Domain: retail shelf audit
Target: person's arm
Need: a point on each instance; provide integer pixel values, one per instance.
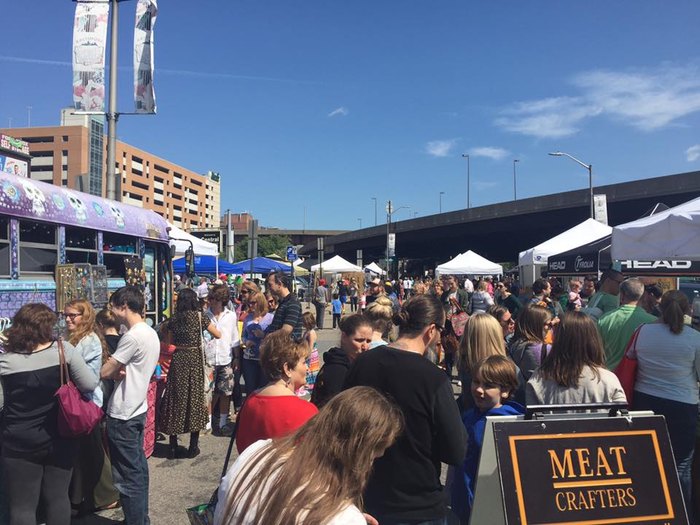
(213, 330)
(531, 360)
(451, 438)
(531, 397)
(464, 300)
(80, 373)
(114, 367)
(312, 338)
(488, 299)
(292, 318)
(90, 348)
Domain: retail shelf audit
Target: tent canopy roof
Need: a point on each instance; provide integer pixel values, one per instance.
(374, 268)
(470, 263)
(180, 238)
(260, 265)
(336, 264)
(670, 235)
(203, 264)
(588, 231)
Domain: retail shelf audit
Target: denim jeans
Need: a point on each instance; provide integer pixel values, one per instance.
(252, 375)
(129, 467)
(681, 420)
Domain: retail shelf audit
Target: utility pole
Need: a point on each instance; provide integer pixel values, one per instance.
(29, 116)
(112, 115)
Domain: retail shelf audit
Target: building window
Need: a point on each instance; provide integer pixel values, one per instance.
(38, 140)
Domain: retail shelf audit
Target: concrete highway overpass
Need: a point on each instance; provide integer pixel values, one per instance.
(500, 231)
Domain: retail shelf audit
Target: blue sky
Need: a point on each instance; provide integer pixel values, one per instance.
(326, 104)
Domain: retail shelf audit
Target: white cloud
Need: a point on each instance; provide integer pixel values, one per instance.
(693, 153)
(647, 100)
(547, 118)
(342, 111)
(440, 148)
(489, 152)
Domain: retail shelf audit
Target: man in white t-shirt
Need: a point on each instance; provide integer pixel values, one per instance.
(131, 366)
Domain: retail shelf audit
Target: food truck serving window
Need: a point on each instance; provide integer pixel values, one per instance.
(81, 245)
(4, 247)
(38, 252)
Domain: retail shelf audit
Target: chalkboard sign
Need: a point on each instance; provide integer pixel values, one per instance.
(588, 471)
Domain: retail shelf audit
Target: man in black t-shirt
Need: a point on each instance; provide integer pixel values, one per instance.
(288, 314)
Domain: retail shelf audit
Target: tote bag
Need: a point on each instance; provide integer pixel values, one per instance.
(77, 416)
(626, 371)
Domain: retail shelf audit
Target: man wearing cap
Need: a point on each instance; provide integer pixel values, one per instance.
(320, 301)
(375, 289)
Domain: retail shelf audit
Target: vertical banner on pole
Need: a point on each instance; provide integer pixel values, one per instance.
(144, 93)
(89, 44)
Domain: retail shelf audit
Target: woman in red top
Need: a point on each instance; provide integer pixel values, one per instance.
(274, 410)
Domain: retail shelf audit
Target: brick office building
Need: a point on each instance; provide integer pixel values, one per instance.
(74, 153)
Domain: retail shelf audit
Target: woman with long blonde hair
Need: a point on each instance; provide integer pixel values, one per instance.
(316, 475)
(483, 337)
(91, 486)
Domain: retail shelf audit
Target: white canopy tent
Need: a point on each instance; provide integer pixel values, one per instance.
(588, 231)
(180, 238)
(668, 235)
(469, 263)
(375, 269)
(336, 264)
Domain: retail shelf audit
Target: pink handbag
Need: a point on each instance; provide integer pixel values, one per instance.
(77, 416)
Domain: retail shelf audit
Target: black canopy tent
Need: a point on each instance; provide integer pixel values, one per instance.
(594, 257)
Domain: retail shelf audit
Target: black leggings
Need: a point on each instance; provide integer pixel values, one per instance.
(46, 474)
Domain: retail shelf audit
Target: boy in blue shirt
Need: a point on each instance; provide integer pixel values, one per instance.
(495, 379)
(337, 309)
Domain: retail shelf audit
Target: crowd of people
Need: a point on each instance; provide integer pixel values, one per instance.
(361, 439)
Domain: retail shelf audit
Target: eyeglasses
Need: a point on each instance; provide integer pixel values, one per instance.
(71, 316)
(508, 321)
(271, 301)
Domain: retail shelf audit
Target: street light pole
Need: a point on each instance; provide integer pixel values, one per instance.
(441, 194)
(469, 201)
(388, 231)
(515, 191)
(360, 221)
(589, 167)
(112, 116)
(375, 210)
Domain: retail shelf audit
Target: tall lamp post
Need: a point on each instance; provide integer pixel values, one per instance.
(359, 219)
(589, 167)
(515, 191)
(441, 194)
(375, 210)
(390, 210)
(469, 201)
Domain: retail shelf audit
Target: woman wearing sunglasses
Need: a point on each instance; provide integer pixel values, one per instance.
(258, 319)
(91, 487)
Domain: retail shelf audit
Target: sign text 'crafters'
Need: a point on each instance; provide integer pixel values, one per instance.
(591, 477)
